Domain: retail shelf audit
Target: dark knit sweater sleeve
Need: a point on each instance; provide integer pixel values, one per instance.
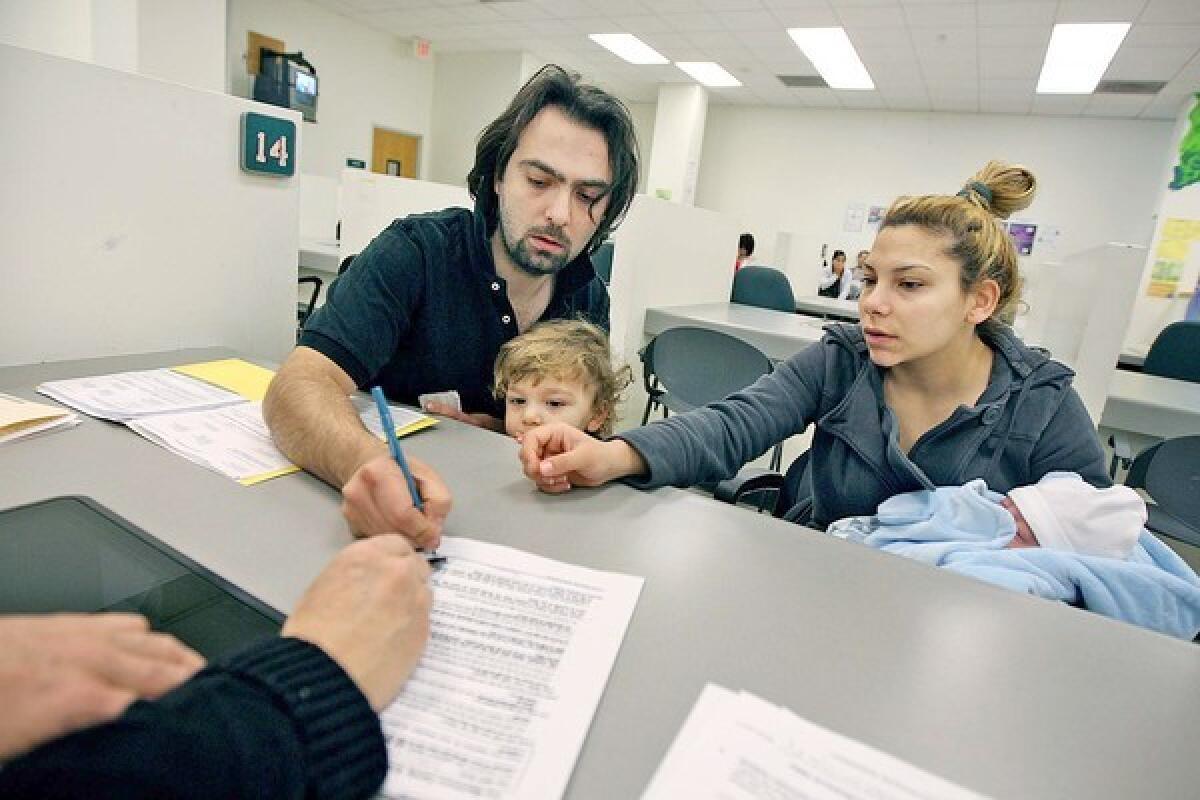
(278, 719)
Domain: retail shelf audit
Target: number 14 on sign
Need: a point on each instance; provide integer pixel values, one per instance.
(278, 150)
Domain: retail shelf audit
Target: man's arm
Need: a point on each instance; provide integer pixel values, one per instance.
(313, 422)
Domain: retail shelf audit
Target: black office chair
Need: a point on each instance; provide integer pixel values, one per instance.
(1175, 353)
(602, 262)
(765, 287)
(761, 484)
(345, 265)
(304, 310)
(685, 368)
(1170, 473)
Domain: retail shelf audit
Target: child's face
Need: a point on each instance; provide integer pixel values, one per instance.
(530, 403)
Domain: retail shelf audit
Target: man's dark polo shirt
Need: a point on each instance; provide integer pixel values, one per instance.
(422, 309)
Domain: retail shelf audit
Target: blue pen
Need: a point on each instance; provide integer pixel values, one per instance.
(389, 432)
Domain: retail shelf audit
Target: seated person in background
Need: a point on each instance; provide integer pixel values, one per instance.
(745, 250)
(1061, 539)
(96, 706)
(1060, 512)
(836, 281)
(931, 389)
(559, 371)
(427, 305)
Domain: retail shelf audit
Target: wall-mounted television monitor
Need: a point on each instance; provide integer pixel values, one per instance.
(287, 80)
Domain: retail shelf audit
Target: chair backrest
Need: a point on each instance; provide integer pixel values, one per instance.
(765, 287)
(1173, 478)
(602, 262)
(791, 484)
(697, 366)
(1176, 353)
(345, 265)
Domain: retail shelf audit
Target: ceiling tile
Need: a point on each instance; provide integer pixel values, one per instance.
(866, 38)
(1019, 12)
(1158, 35)
(861, 100)
(1004, 106)
(1070, 11)
(1116, 105)
(643, 23)
(1069, 105)
(1014, 36)
(519, 10)
(1149, 63)
(1159, 11)
(818, 16)
(1010, 62)
(940, 15)
(766, 40)
(748, 20)
(691, 23)
(675, 6)
(731, 5)
(871, 17)
(935, 39)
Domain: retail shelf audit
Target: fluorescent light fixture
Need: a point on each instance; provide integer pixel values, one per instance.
(628, 47)
(1078, 55)
(710, 73)
(830, 51)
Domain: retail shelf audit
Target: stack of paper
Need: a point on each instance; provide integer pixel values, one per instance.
(736, 746)
(20, 418)
(210, 413)
(519, 652)
(129, 395)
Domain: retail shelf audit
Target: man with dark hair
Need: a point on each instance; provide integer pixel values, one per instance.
(745, 250)
(427, 305)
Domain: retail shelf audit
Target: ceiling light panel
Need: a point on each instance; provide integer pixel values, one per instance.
(830, 51)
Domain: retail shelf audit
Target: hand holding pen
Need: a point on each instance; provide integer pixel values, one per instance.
(380, 498)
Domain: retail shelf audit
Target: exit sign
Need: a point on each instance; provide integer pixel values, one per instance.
(268, 144)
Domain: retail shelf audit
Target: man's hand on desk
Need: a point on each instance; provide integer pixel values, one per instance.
(369, 611)
(376, 500)
(485, 421)
(63, 672)
(558, 456)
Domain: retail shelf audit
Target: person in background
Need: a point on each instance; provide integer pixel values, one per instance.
(426, 306)
(836, 281)
(559, 371)
(930, 389)
(96, 706)
(745, 250)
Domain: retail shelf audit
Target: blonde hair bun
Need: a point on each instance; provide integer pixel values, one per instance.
(1001, 188)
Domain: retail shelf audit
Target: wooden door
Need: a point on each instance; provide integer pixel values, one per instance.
(394, 153)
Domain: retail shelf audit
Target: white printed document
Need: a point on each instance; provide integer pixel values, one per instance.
(234, 440)
(520, 651)
(735, 746)
(128, 395)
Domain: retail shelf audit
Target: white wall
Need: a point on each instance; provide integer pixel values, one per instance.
(366, 79)
(370, 202)
(470, 90)
(783, 169)
(643, 115)
(183, 41)
(143, 234)
(1152, 314)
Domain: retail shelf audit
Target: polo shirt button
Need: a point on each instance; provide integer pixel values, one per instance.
(506, 319)
(495, 286)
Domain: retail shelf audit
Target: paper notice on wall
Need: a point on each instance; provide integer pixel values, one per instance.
(856, 215)
(1170, 256)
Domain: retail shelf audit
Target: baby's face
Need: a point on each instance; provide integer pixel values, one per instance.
(529, 404)
(1024, 537)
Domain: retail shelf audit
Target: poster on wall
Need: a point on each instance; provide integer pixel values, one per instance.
(856, 213)
(1178, 236)
(1023, 234)
(875, 216)
(1187, 171)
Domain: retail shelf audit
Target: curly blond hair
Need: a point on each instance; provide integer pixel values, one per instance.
(971, 219)
(565, 349)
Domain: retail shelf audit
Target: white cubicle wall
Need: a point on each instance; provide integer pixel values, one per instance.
(370, 202)
(126, 224)
(664, 254)
(319, 212)
(1079, 309)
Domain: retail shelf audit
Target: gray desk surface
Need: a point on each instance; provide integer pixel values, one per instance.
(828, 307)
(1152, 405)
(1006, 694)
(778, 334)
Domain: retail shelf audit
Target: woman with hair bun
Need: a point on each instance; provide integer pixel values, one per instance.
(931, 389)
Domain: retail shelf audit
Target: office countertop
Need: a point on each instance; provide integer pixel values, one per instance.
(1008, 695)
